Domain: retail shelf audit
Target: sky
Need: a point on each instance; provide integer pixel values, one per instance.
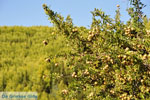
(31, 13)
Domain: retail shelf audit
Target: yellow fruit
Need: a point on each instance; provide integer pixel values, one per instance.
(45, 42)
(74, 30)
(144, 57)
(111, 60)
(139, 46)
(127, 49)
(65, 92)
(120, 57)
(123, 62)
(90, 37)
(105, 67)
(95, 83)
(53, 33)
(90, 32)
(142, 81)
(118, 6)
(148, 31)
(111, 91)
(124, 56)
(86, 72)
(91, 94)
(56, 64)
(74, 74)
(47, 60)
(44, 76)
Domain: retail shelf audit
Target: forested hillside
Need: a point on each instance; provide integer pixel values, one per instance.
(24, 56)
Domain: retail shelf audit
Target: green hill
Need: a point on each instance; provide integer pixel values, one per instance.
(23, 56)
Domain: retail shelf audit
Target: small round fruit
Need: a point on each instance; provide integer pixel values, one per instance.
(45, 42)
(47, 60)
(118, 6)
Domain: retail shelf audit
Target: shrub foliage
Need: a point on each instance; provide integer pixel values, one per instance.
(109, 60)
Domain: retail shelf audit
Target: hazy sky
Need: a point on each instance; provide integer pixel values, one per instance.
(30, 12)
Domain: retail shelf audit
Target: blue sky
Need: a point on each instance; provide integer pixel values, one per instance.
(31, 13)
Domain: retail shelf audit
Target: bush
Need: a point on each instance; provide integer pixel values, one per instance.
(110, 60)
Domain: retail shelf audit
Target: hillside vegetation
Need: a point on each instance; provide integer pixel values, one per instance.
(23, 57)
